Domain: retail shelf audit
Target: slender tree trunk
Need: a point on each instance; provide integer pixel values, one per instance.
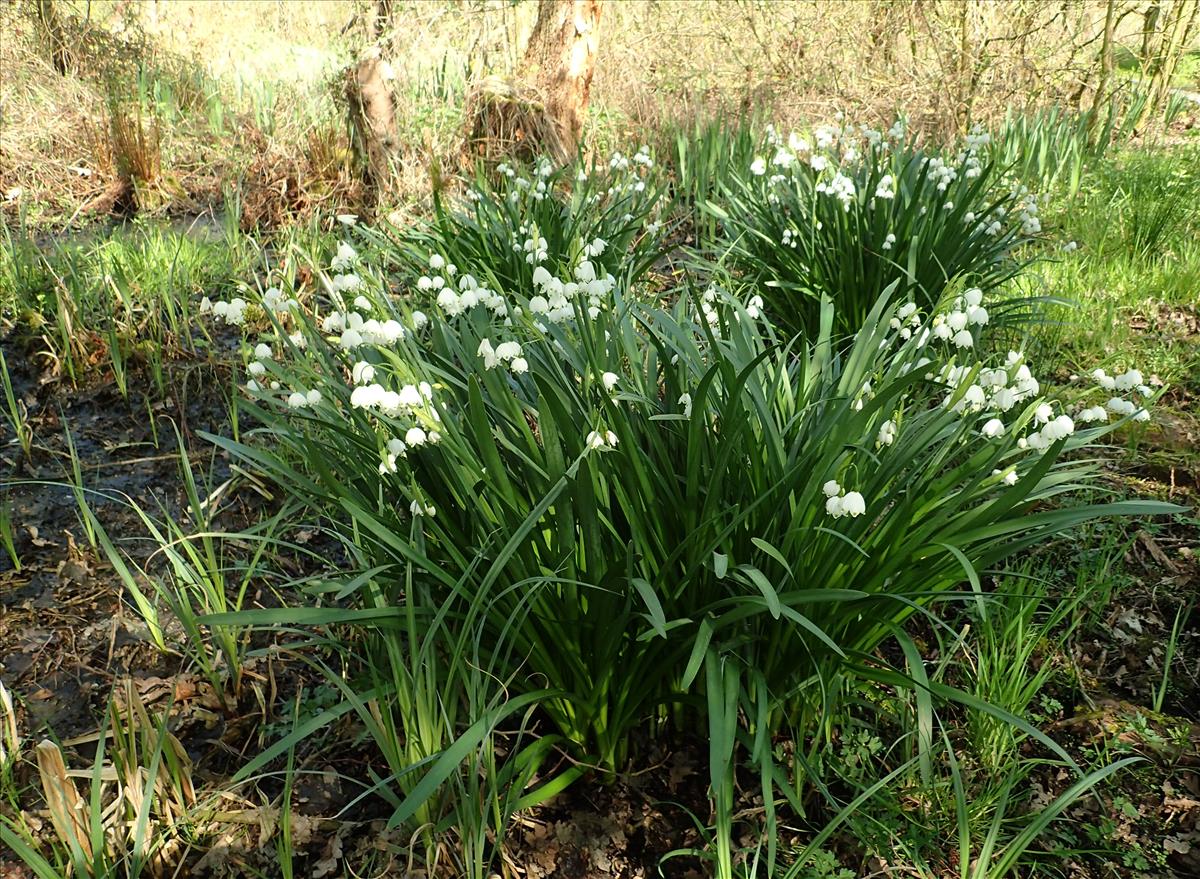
(60, 53)
(1177, 36)
(1149, 28)
(561, 59)
(381, 26)
(1106, 63)
(965, 68)
(883, 32)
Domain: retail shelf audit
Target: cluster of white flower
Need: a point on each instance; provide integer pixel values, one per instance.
(627, 179)
(887, 433)
(345, 280)
(538, 189)
(619, 162)
(708, 310)
(840, 187)
(469, 294)
(995, 390)
(505, 352)
(1122, 407)
(347, 283)
(535, 249)
(410, 398)
(977, 138)
(344, 259)
(353, 330)
(257, 367)
(554, 296)
(710, 313)
(598, 440)
(304, 399)
(941, 173)
(906, 320)
(839, 503)
(1027, 214)
(416, 508)
(274, 301)
(594, 249)
(232, 312)
(1053, 428)
(1129, 382)
(413, 403)
(840, 151)
(1126, 381)
(1008, 477)
(967, 311)
(783, 158)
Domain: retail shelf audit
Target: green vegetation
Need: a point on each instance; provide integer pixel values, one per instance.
(891, 213)
(1134, 270)
(123, 300)
(793, 497)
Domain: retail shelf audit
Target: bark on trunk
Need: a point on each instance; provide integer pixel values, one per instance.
(561, 59)
(374, 119)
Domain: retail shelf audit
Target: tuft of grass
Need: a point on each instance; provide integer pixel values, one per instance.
(98, 305)
(1133, 276)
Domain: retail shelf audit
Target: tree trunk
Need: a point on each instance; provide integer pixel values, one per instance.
(60, 53)
(883, 30)
(560, 60)
(381, 26)
(374, 120)
(965, 90)
(1149, 29)
(1176, 39)
(1106, 64)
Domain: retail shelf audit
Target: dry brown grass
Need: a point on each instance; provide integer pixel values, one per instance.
(280, 185)
(51, 126)
(507, 118)
(943, 63)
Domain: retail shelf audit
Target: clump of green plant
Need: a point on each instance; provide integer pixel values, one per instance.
(1049, 147)
(138, 796)
(521, 218)
(703, 156)
(1128, 268)
(854, 211)
(507, 462)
